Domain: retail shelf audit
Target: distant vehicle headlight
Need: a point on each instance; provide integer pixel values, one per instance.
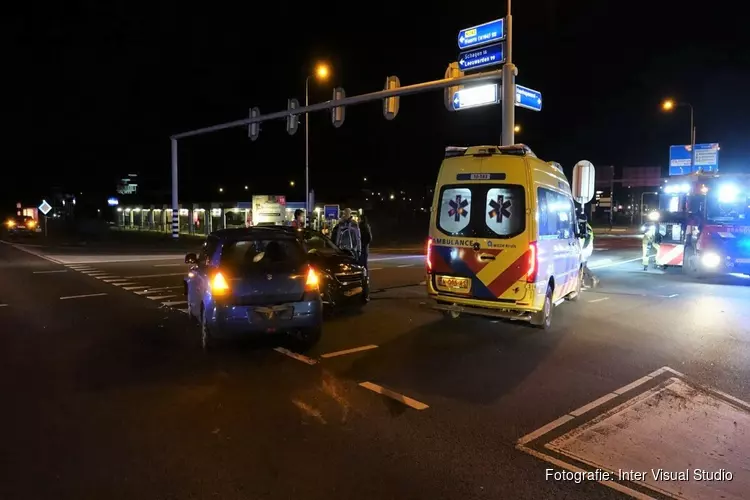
(711, 259)
(653, 216)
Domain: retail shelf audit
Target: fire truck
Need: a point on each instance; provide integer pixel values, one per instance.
(703, 224)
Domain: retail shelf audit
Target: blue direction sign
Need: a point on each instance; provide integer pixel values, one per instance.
(528, 98)
(331, 212)
(706, 159)
(475, 36)
(482, 57)
(473, 97)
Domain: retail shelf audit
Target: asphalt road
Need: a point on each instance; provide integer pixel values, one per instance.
(106, 393)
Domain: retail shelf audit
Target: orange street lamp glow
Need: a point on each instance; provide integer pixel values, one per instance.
(321, 71)
(667, 105)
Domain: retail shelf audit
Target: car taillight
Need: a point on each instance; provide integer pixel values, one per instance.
(219, 285)
(533, 263)
(313, 281)
(428, 259)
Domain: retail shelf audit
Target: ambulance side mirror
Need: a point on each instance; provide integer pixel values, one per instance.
(583, 184)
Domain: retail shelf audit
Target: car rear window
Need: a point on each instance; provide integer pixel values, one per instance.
(262, 254)
(482, 210)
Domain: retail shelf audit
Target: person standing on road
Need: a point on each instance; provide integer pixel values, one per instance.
(366, 237)
(299, 219)
(587, 248)
(346, 235)
(650, 245)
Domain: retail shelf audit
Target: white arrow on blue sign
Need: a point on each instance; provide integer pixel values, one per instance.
(45, 207)
(482, 57)
(475, 36)
(528, 98)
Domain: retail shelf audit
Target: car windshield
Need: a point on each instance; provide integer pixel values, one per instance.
(319, 243)
(262, 255)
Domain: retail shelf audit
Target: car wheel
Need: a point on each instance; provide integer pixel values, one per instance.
(543, 318)
(207, 340)
(306, 338)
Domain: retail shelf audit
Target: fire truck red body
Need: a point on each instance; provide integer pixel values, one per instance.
(704, 224)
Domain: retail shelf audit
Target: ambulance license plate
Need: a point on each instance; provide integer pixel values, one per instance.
(453, 284)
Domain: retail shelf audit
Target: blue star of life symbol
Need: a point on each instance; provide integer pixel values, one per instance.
(500, 208)
(458, 208)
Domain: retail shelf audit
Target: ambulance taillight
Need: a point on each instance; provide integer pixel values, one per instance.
(428, 260)
(533, 263)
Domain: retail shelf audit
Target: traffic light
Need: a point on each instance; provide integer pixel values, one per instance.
(390, 104)
(253, 130)
(453, 71)
(292, 121)
(337, 113)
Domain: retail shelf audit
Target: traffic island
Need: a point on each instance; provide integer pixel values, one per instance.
(661, 436)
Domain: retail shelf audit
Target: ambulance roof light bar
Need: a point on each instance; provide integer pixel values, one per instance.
(515, 150)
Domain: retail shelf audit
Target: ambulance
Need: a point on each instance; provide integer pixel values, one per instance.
(504, 236)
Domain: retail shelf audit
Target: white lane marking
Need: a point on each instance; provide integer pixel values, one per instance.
(183, 310)
(170, 265)
(112, 259)
(174, 303)
(633, 385)
(378, 259)
(617, 263)
(379, 389)
(545, 429)
(115, 280)
(601, 249)
(78, 267)
(294, 355)
(590, 406)
(598, 300)
(375, 269)
(130, 288)
(422, 283)
(50, 272)
(160, 288)
(160, 297)
(32, 252)
(106, 277)
(123, 284)
(3, 305)
(155, 275)
(348, 351)
(406, 265)
(94, 273)
(82, 296)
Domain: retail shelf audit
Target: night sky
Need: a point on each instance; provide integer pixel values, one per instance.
(96, 91)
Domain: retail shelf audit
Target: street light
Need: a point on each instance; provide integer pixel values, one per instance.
(322, 73)
(291, 183)
(669, 105)
(246, 188)
(517, 129)
(221, 190)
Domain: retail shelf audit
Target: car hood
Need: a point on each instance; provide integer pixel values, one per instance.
(335, 263)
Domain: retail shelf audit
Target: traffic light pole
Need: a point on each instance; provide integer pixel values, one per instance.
(509, 85)
(347, 101)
